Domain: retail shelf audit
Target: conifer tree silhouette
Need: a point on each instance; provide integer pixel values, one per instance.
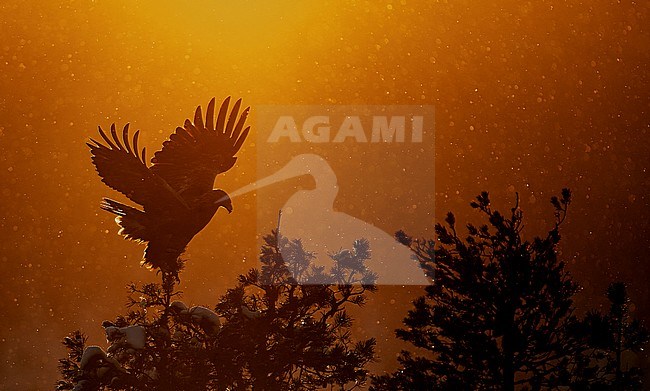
(499, 312)
(270, 332)
(608, 339)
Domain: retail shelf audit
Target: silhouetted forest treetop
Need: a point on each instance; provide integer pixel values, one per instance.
(269, 332)
(501, 315)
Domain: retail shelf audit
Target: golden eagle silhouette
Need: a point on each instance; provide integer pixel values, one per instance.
(175, 193)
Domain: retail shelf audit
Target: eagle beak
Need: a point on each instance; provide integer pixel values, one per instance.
(225, 202)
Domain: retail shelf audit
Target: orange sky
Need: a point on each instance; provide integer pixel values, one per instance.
(529, 97)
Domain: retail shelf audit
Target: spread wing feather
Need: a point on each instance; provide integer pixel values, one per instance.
(196, 153)
(123, 169)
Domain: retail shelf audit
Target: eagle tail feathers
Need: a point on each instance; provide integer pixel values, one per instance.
(133, 222)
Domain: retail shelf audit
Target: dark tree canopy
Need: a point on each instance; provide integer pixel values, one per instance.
(500, 315)
(300, 337)
(608, 339)
(268, 333)
(497, 314)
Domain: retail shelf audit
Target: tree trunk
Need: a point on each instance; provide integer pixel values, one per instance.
(619, 348)
(509, 353)
(508, 367)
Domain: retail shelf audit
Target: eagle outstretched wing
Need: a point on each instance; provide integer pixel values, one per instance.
(196, 153)
(122, 168)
